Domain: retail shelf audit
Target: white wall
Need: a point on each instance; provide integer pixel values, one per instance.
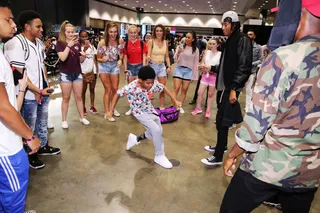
(98, 10)
(213, 21)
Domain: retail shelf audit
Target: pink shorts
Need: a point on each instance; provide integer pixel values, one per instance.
(208, 79)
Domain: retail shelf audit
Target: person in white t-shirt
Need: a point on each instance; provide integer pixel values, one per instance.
(14, 167)
(89, 71)
(26, 51)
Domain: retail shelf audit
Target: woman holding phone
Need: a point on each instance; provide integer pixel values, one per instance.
(109, 56)
(70, 55)
(157, 53)
(187, 59)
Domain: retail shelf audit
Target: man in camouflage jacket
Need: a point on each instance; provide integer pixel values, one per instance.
(281, 134)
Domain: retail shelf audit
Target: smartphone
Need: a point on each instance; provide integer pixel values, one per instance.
(76, 36)
(50, 90)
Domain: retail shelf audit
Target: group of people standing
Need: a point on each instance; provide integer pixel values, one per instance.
(279, 136)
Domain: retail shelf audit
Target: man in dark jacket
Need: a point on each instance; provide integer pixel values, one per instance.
(232, 74)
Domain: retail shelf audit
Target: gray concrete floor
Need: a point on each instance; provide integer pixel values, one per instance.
(95, 174)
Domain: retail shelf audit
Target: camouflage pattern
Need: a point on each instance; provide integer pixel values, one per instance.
(284, 125)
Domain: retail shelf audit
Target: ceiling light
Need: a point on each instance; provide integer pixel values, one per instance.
(234, 8)
(190, 8)
(125, 4)
(234, 5)
(175, 9)
(137, 1)
(187, 5)
(145, 4)
(235, 2)
(161, 11)
(159, 1)
(210, 5)
(115, 1)
(209, 2)
(183, 1)
(165, 5)
(193, 10)
(266, 1)
(170, 7)
(151, 7)
(263, 4)
(133, 7)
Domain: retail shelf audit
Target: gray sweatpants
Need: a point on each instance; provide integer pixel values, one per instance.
(153, 126)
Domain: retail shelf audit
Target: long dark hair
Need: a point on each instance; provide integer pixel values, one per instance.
(154, 36)
(106, 34)
(194, 42)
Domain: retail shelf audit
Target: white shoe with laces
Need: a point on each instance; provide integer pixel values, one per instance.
(181, 110)
(163, 161)
(84, 121)
(116, 113)
(132, 141)
(65, 125)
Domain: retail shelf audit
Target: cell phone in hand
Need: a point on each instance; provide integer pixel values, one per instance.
(50, 91)
(76, 36)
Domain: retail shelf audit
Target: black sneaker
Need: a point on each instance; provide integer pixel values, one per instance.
(192, 102)
(273, 205)
(213, 148)
(211, 161)
(35, 162)
(48, 150)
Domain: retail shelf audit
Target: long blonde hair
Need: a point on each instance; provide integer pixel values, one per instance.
(211, 40)
(62, 33)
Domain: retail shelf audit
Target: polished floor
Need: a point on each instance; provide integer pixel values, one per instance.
(94, 173)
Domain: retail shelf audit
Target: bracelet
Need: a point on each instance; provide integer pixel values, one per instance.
(23, 91)
(41, 92)
(68, 47)
(30, 139)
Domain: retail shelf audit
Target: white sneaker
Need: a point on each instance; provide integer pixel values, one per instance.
(84, 121)
(132, 141)
(111, 119)
(65, 125)
(116, 113)
(129, 112)
(163, 161)
(50, 125)
(181, 111)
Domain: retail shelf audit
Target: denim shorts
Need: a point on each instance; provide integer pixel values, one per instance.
(134, 69)
(70, 77)
(184, 73)
(160, 69)
(109, 68)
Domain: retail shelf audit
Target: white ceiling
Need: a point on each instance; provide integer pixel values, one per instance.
(188, 6)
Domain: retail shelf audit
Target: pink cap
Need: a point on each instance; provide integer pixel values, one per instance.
(313, 6)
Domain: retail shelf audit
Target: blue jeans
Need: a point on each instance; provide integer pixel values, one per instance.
(184, 73)
(70, 77)
(109, 68)
(160, 69)
(134, 69)
(36, 116)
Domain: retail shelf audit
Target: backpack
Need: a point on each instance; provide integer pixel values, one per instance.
(141, 45)
(168, 115)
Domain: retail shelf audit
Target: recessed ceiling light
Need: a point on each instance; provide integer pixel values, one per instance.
(266, 1)
(161, 11)
(165, 5)
(234, 5)
(159, 1)
(151, 7)
(137, 1)
(234, 8)
(194, 10)
(175, 9)
(235, 2)
(170, 7)
(210, 5)
(187, 5)
(145, 4)
(115, 1)
(263, 4)
(132, 7)
(209, 2)
(125, 4)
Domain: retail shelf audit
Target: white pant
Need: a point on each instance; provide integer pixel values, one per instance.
(153, 126)
(249, 85)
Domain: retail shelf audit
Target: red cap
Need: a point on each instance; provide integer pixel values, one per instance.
(313, 6)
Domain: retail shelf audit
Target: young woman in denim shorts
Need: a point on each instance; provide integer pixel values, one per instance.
(157, 53)
(187, 59)
(109, 56)
(70, 55)
(135, 51)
